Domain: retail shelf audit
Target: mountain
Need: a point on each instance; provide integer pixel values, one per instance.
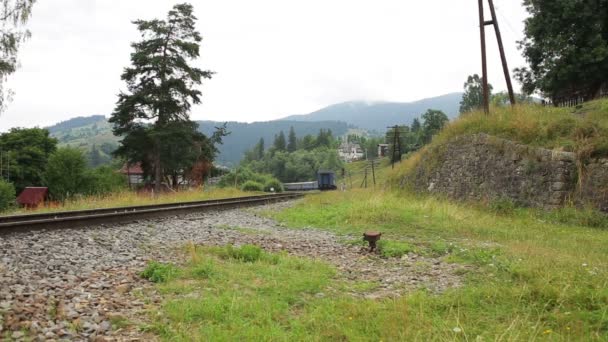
(376, 116)
(93, 134)
(244, 136)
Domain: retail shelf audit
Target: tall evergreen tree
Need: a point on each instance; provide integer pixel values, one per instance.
(161, 88)
(416, 126)
(280, 144)
(259, 149)
(292, 142)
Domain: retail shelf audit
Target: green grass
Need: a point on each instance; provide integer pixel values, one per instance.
(538, 274)
(583, 130)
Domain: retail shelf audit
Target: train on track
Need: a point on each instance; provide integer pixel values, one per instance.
(326, 180)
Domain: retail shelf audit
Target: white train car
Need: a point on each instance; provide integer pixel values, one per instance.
(302, 186)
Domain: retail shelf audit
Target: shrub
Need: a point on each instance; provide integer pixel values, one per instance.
(273, 184)
(159, 273)
(7, 195)
(104, 180)
(252, 186)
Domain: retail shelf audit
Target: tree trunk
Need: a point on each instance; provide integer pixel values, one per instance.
(158, 174)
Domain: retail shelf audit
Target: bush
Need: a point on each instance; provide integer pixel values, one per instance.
(252, 186)
(273, 184)
(7, 195)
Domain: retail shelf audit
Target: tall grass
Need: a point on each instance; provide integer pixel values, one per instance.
(130, 198)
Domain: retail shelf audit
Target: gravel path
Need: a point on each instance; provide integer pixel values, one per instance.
(81, 284)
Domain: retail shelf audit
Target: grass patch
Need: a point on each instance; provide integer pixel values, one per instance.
(159, 273)
(394, 249)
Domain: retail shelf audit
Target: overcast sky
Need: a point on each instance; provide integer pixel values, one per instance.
(272, 57)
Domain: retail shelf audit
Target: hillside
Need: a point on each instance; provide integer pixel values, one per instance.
(530, 156)
(379, 115)
(94, 133)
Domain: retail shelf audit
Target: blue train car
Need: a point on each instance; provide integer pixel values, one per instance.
(326, 180)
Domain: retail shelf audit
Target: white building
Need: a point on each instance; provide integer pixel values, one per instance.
(350, 152)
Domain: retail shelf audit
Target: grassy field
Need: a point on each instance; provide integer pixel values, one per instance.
(130, 198)
(531, 275)
(536, 276)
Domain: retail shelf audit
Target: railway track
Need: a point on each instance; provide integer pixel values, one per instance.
(93, 217)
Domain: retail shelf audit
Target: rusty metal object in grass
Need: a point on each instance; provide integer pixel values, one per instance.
(372, 238)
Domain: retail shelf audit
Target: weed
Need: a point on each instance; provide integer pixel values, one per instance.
(159, 273)
(246, 253)
(119, 322)
(503, 206)
(394, 249)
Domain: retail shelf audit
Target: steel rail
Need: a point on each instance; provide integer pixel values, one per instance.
(82, 218)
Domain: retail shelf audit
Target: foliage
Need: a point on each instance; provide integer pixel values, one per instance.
(66, 173)
(280, 143)
(13, 14)
(25, 153)
(566, 47)
(162, 89)
(434, 120)
(7, 195)
(159, 273)
(273, 185)
(252, 186)
(292, 142)
(241, 175)
(311, 154)
(472, 99)
(104, 180)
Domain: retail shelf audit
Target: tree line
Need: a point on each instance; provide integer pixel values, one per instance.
(30, 157)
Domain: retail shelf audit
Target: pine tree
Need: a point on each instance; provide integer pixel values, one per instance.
(292, 143)
(161, 88)
(260, 149)
(279, 142)
(416, 126)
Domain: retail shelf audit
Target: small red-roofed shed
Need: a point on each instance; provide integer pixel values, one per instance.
(32, 197)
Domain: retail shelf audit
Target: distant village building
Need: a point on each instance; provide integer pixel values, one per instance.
(350, 152)
(134, 173)
(383, 150)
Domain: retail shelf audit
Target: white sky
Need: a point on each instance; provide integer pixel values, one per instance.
(272, 57)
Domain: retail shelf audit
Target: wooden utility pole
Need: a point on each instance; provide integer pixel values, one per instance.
(374, 172)
(396, 141)
(484, 62)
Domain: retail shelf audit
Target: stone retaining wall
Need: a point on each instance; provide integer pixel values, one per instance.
(486, 168)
